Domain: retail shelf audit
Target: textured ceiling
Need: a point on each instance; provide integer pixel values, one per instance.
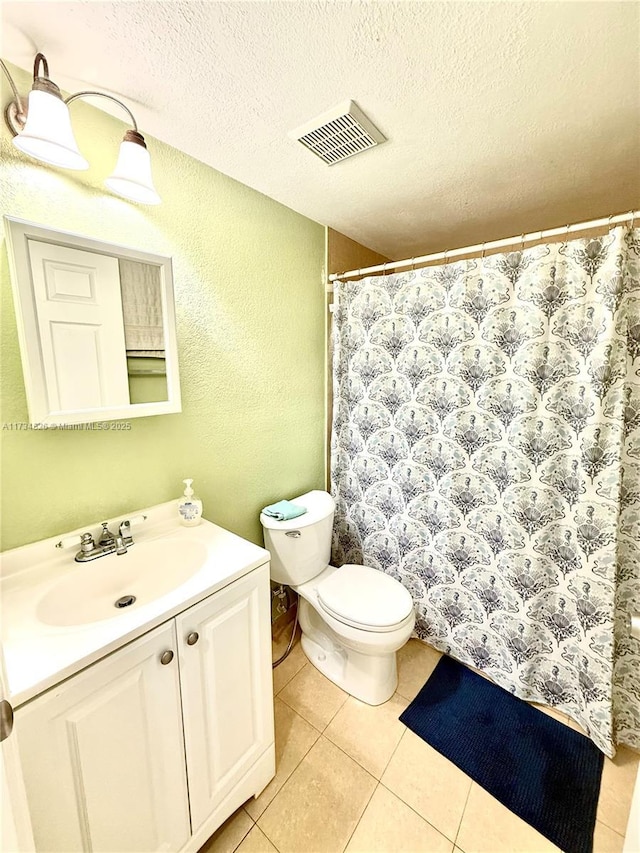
(501, 117)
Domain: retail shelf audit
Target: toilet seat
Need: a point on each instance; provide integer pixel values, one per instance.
(365, 598)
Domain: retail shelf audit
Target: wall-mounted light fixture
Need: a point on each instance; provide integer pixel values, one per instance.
(42, 129)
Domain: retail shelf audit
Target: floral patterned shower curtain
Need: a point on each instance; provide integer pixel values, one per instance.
(486, 452)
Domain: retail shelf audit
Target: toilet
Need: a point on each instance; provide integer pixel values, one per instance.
(353, 618)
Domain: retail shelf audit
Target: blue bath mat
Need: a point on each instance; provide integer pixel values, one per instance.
(543, 771)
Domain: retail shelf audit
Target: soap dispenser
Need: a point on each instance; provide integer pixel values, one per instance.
(189, 506)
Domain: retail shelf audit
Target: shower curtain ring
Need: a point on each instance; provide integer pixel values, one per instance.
(633, 217)
(522, 242)
(483, 250)
(413, 264)
(446, 252)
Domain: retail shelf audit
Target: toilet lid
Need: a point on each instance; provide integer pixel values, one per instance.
(361, 596)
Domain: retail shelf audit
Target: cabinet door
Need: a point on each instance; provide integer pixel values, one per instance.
(103, 756)
(227, 692)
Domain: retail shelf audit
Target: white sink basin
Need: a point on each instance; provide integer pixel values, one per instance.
(147, 571)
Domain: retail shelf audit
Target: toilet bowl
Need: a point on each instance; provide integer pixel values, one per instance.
(353, 618)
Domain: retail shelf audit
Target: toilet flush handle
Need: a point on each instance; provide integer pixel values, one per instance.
(294, 534)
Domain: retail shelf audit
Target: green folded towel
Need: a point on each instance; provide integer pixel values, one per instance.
(284, 510)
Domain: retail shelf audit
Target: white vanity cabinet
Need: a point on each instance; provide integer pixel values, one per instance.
(103, 753)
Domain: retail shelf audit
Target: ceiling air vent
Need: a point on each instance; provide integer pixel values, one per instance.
(338, 133)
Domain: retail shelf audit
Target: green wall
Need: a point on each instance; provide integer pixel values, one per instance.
(248, 275)
(145, 388)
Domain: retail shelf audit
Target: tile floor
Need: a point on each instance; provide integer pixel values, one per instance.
(352, 778)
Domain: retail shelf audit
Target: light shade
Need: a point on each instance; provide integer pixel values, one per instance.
(47, 134)
(132, 175)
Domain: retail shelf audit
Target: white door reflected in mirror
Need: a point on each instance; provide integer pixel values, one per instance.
(79, 309)
(96, 324)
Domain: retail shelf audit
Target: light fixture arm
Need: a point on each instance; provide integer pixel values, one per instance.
(18, 105)
(77, 95)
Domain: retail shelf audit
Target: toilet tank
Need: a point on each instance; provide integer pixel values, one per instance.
(300, 548)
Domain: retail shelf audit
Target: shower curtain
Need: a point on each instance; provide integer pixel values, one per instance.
(486, 453)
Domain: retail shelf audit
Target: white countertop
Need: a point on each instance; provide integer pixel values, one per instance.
(37, 655)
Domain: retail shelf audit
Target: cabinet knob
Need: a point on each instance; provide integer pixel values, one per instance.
(193, 638)
(166, 657)
(6, 719)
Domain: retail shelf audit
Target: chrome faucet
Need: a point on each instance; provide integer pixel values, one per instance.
(107, 544)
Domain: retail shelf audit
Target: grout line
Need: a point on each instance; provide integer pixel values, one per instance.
(395, 749)
(332, 683)
(612, 828)
(313, 726)
(284, 781)
(292, 677)
(348, 754)
(289, 680)
(336, 713)
(245, 811)
(267, 837)
(304, 720)
(604, 819)
(288, 781)
(355, 760)
(253, 823)
(259, 825)
(361, 816)
(422, 817)
(466, 802)
(407, 698)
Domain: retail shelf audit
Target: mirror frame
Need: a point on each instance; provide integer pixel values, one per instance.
(18, 232)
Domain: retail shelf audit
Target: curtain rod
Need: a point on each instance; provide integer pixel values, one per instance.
(493, 244)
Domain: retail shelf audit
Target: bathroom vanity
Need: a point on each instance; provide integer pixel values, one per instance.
(140, 728)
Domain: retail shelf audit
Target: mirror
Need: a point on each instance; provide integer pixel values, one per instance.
(96, 324)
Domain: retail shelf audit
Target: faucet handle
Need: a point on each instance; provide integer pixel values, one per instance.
(86, 543)
(106, 536)
(127, 523)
